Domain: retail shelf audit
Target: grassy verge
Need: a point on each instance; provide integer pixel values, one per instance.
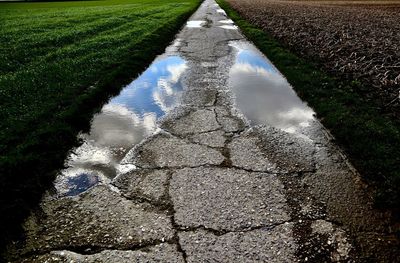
(59, 62)
(371, 140)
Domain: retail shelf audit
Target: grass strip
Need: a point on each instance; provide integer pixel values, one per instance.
(371, 141)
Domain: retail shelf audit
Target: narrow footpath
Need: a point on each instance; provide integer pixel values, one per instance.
(212, 183)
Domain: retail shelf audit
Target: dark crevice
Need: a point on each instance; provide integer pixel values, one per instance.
(203, 132)
(179, 247)
(95, 249)
(180, 166)
(226, 153)
(223, 165)
(173, 222)
(221, 232)
(239, 131)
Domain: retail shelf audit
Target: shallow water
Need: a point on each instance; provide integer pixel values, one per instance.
(263, 94)
(226, 21)
(195, 23)
(227, 24)
(233, 27)
(123, 122)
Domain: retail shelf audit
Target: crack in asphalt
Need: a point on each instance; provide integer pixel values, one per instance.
(92, 250)
(219, 232)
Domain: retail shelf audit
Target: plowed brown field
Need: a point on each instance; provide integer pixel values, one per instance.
(355, 40)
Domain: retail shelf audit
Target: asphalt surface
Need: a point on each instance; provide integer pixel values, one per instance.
(209, 187)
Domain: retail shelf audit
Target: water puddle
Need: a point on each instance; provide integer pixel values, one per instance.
(263, 94)
(226, 21)
(229, 27)
(195, 23)
(123, 122)
(227, 24)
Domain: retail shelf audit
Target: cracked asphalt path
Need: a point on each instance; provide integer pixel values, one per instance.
(209, 187)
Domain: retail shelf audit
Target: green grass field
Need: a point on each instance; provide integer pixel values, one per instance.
(59, 61)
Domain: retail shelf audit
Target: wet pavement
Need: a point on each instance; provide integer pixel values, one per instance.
(208, 156)
(124, 121)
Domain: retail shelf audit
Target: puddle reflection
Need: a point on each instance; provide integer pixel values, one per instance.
(226, 21)
(79, 183)
(229, 27)
(227, 24)
(263, 94)
(123, 122)
(195, 23)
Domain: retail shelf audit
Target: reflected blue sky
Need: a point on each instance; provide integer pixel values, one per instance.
(155, 90)
(80, 183)
(263, 94)
(253, 59)
(123, 122)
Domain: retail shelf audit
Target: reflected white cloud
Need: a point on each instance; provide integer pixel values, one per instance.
(195, 23)
(226, 21)
(149, 123)
(176, 71)
(125, 168)
(164, 85)
(299, 116)
(165, 95)
(247, 68)
(229, 27)
(264, 95)
(116, 126)
(158, 98)
(89, 153)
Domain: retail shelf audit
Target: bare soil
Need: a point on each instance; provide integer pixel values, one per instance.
(354, 40)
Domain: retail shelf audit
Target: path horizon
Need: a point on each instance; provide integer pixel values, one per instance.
(208, 186)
